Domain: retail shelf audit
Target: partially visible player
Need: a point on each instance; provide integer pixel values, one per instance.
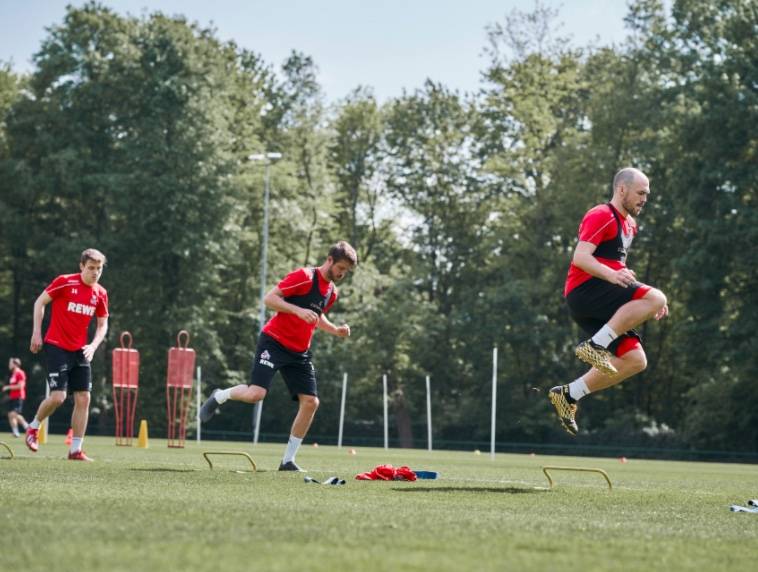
(604, 297)
(16, 389)
(301, 301)
(76, 299)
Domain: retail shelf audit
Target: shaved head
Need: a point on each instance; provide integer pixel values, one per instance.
(630, 190)
(626, 177)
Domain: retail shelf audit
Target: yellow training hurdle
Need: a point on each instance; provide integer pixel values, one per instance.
(7, 448)
(578, 469)
(207, 455)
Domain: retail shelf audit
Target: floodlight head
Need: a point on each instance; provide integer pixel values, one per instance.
(273, 156)
(256, 157)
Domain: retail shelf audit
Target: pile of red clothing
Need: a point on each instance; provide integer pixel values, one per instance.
(388, 473)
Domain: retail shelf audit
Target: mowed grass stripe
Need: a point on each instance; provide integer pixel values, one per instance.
(161, 508)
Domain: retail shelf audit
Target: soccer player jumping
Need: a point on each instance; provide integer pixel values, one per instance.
(301, 301)
(604, 297)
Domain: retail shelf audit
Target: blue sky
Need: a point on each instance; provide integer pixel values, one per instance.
(389, 45)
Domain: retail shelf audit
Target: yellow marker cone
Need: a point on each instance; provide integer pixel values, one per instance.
(142, 438)
(69, 436)
(42, 434)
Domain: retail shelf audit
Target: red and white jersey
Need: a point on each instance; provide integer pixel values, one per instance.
(287, 329)
(18, 377)
(73, 307)
(600, 226)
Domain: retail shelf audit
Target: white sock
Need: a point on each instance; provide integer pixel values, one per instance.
(604, 336)
(292, 446)
(76, 444)
(222, 395)
(35, 423)
(578, 389)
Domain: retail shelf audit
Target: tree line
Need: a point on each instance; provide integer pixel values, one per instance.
(132, 135)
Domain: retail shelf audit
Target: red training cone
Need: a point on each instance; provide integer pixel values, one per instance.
(69, 436)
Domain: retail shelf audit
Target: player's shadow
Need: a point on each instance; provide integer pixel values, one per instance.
(501, 490)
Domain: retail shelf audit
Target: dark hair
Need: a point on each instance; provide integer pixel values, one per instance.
(92, 254)
(16, 361)
(343, 251)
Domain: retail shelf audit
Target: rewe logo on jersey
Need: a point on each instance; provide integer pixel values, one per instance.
(81, 309)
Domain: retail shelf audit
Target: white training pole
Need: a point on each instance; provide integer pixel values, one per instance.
(199, 388)
(47, 419)
(386, 433)
(258, 409)
(428, 413)
(494, 401)
(342, 410)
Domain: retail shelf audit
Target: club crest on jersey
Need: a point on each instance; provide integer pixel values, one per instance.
(93, 300)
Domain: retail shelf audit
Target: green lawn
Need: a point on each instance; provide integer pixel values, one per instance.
(163, 509)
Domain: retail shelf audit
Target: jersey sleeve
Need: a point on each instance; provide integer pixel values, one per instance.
(296, 283)
(56, 288)
(101, 310)
(597, 226)
(332, 300)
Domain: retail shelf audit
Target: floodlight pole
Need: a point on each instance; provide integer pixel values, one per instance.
(268, 158)
(494, 402)
(342, 410)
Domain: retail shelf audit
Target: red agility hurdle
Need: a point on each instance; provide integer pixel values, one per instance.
(181, 364)
(125, 388)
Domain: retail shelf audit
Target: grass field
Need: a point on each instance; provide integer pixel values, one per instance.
(163, 509)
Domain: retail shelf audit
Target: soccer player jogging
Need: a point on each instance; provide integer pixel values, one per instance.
(301, 301)
(604, 297)
(16, 389)
(76, 299)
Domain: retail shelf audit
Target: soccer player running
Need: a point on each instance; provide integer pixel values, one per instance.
(604, 297)
(76, 299)
(16, 389)
(301, 301)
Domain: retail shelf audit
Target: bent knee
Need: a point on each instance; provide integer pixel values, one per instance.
(636, 360)
(657, 298)
(58, 397)
(253, 394)
(309, 401)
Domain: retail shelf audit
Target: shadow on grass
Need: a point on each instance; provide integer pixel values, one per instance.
(169, 470)
(504, 490)
(166, 470)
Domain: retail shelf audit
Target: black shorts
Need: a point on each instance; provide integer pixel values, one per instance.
(296, 368)
(593, 303)
(67, 370)
(16, 405)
